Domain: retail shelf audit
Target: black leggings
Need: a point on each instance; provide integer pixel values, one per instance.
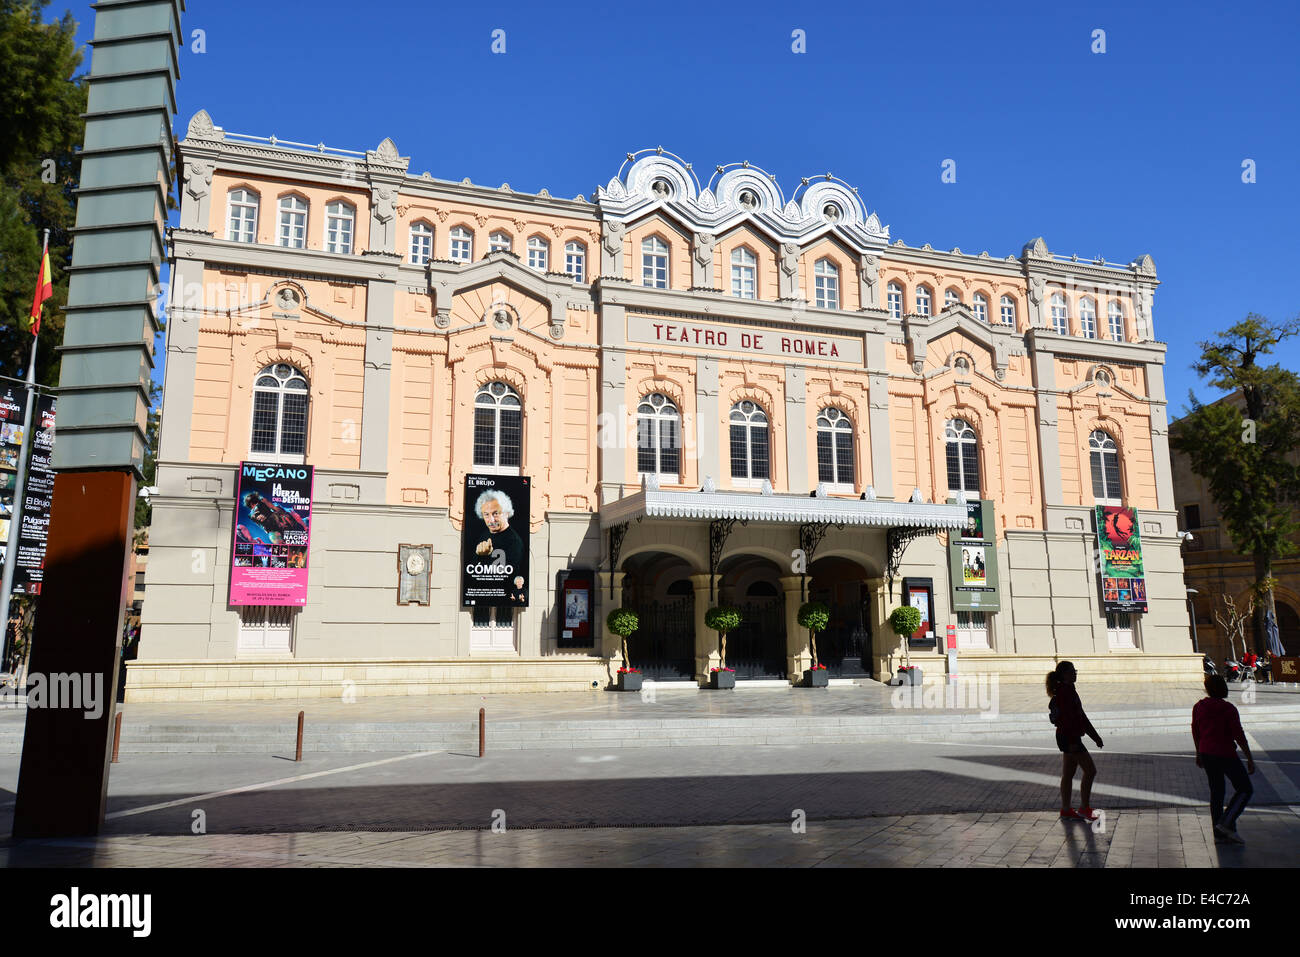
(1216, 769)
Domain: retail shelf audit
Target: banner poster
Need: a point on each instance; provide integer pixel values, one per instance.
(272, 534)
(13, 404)
(1123, 587)
(973, 560)
(38, 499)
(494, 541)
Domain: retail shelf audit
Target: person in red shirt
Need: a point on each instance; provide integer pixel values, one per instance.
(1216, 731)
(1066, 712)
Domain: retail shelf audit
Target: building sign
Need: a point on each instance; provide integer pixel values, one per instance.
(38, 498)
(695, 336)
(973, 560)
(1123, 587)
(272, 534)
(494, 541)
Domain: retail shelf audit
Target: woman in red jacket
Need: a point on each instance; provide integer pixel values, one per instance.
(1216, 730)
(1066, 712)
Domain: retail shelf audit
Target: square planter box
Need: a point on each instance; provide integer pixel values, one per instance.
(722, 679)
(818, 678)
(909, 677)
(629, 682)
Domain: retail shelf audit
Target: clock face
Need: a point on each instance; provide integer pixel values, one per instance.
(415, 563)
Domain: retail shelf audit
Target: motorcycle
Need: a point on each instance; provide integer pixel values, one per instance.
(1234, 670)
(1208, 663)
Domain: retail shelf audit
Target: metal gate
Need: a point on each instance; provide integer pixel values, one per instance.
(663, 645)
(845, 646)
(757, 648)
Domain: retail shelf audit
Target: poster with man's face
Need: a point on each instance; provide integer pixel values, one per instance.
(494, 541)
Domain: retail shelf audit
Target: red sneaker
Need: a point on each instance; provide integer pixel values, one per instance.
(1070, 814)
(1088, 814)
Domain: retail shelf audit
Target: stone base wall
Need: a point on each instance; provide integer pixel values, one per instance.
(1125, 666)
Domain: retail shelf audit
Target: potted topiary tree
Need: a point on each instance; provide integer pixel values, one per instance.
(904, 621)
(722, 620)
(814, 615)
(622, 622)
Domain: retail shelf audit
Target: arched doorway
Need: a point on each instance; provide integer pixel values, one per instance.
(657, 586)
(845, 646)
(1288, 628)
(757, 649)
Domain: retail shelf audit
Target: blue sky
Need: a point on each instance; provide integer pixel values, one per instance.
(1135, 150)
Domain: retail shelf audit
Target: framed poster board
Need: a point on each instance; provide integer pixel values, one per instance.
(576, 594)
(919, 593)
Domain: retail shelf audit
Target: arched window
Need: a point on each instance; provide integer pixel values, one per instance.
(834, 447)
(575, 260)
(826, 279)
(280, 414)
(1008, 306)
(339, 218)
(981, 307)
(498, 428)
(242, 205)
(500, 242)
(1115, 313)
(1087, 318)
(750, 457)
(658, 436)
(293, 222)
(923, 300)
(654, 263)
(1105, 468)
(539, 253)
(744, 264)
(963, 458)
(950, 298)
(1060, 314)
(462, 244)
(421, 242)
(894, 300)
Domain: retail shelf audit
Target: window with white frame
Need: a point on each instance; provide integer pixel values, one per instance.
(242, 227)
(280, 398)
(1115, 313)
(1104, 455)
(499, 242)
(950, 298)
(826, 280)
(1008, 306)
(962, 449)
(923, 300)
(654, 263)
(575, 260)
(972, 629)
(980, 307)
(658, 437)
(498, 429)
(744, 265)
(462, 244)
(421, 242)
(894, 300)
(1060, 314)
(266, 630)
(1087, 318)
(492, 631)
(339, 219)
(1119, 629)
(293, 222)
(835, 448)
(750, 447)
(539, 253)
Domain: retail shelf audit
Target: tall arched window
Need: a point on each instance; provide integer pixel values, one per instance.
(539, 253)
(280, 414)
(1087, 318)
(658, 436)
(1115, 313)
(575, 260)
(498, 429)
(462, 244)
(293, 222)
(654, 262)
(923, 300)
(421, 242)
(750, 456)
(1008, 306)
(500, 242)
(963, 458)
(981, 307)
(894, 300)
(242, 204)
(834, 447)
(744, 265)
(339, 218)
(826, 280)
(1105, 468)
(1060, 314)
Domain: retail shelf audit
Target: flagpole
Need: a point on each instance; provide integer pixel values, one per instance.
(20, 484)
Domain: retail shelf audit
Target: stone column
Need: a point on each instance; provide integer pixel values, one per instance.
(381, 296)
(876, 428)
(611, 248)
(886, 647)
(702, 260)
(797, 472)
(706, 639)
(798, 654)
(611, 646)
(182, 358)
(1049, 437)
(707, 441)
(1160, 437)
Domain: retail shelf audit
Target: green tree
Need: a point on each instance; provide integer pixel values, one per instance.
(722, 619)
(1248, 457)
(815, 616)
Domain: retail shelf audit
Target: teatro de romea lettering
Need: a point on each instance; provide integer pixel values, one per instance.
(700, 393)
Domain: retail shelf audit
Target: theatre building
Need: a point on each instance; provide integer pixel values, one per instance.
(674, 394)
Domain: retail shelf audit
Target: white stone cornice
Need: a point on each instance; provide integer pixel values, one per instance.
(783, 509)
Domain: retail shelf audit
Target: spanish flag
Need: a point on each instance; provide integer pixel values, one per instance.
(44, 290)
